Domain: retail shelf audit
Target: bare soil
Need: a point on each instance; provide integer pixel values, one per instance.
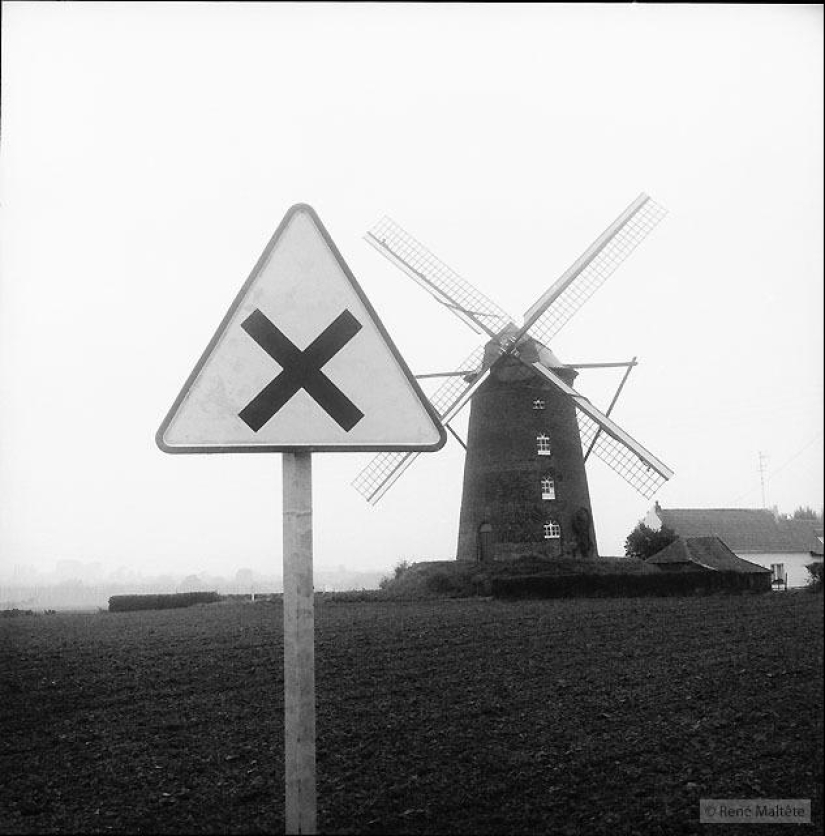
(460, 716)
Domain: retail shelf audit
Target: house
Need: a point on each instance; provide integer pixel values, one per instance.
(758, 535)
(710, 554)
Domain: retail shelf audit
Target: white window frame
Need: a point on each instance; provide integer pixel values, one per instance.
(548, 488)
(538, 403)
(552, 530)
(543, 444)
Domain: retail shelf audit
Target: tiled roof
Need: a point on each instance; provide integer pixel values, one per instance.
(812, 530)
(709, 552)
(745, 529)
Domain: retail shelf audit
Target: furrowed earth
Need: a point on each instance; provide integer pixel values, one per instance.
(597, 716)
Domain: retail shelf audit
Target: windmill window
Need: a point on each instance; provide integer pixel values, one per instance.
(538, 403)
(543, 444)
(552, 531)
(548, 489)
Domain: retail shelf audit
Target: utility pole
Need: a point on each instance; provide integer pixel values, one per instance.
(762, 460)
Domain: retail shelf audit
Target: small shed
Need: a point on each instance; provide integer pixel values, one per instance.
(710, 554)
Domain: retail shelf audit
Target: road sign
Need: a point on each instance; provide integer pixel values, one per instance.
(301, 362)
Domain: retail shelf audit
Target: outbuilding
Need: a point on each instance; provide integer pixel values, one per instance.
(710, 554)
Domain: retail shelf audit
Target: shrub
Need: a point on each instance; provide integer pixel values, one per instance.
(398, 571)
(442, 583)
(351, 596)
(480, 585)
(597, 586)
(130, 603)
(815, 579)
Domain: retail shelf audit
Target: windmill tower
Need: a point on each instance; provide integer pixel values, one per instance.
(530, 432)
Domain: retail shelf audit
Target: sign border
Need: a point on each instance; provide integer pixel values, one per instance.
(299, 448)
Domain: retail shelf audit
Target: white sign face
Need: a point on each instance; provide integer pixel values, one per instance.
(301, 362)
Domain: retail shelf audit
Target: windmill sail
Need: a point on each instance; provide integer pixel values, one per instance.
(378, 476)
(559, 303)
(636, 465)
(543, 321)
(644, 478)
(467, 302)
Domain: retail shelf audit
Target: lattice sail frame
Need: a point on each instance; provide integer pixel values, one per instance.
(619, 458)
(562, 308)
(467, 302)
(383, 470)
(378, 476)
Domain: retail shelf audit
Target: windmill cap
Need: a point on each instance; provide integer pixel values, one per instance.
(532, 350)
(529, 349)
(546, 357)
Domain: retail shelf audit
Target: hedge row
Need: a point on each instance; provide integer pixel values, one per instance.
(666, 583)
(129, 603)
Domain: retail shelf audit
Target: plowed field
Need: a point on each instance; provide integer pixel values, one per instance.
(473, 716)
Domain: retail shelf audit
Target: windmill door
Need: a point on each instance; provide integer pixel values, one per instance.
(485, 542)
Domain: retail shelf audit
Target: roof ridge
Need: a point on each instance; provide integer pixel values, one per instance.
(760, 510)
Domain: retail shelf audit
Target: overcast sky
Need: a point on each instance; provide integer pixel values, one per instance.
(149, 151)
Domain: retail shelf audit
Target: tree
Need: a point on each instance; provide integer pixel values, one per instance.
(814, 576)
(398, 571)
(643, 542)
(806, 513)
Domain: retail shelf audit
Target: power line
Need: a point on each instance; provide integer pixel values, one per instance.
(781, 467)
(795, 455)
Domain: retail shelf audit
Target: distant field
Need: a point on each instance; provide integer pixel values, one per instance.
(589, 716)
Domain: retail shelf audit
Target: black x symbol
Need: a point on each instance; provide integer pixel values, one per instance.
(301, 370)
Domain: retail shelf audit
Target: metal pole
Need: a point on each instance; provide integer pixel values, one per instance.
(600, 365)
(458, 373)
(299, 646)
(630, 366)
(456, 436)
(762, 477)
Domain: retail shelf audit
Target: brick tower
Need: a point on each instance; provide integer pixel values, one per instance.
(525, 488)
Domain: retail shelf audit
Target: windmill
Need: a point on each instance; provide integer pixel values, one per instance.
(530, 432)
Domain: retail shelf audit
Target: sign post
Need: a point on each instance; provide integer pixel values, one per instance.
(299, 645)
(300, 364)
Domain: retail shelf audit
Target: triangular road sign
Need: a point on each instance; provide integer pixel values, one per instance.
(300, 362)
